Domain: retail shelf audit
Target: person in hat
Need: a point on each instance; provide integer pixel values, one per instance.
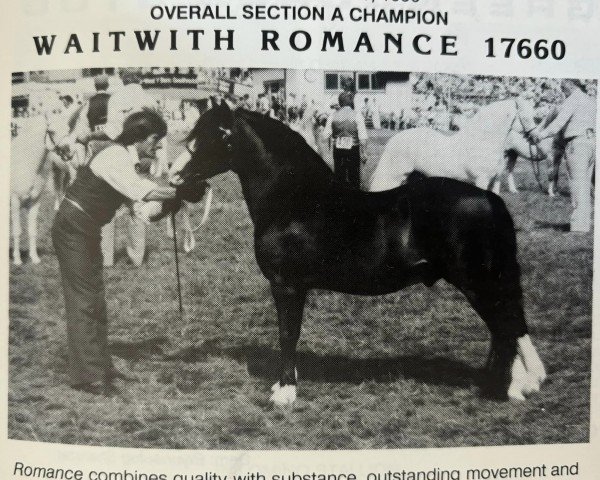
(106, 182)
(347, 129)
(576, 119)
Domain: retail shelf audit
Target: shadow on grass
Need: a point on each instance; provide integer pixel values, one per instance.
(263, 362)
(147, 348)
(559, 227)
(42, 252)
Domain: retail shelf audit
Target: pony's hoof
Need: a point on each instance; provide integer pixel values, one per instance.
(35, 260)
(515, 395)
(17, 261)
(285, 395)
(519, 381)
(189, 244)
(276, 386)
(537, 375)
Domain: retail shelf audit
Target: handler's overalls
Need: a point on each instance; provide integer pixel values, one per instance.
(347, 132)
(90, 203)
(577, 118)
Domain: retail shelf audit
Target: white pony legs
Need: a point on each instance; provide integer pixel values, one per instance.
(189, 239)
(512, 186)
(496, 186)
(32, 216)
(510, 179)
(527, 372)
(15, 214)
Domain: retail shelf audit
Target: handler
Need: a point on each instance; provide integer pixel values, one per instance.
(106, 116)
(349, 133)
(107, 181)
(577, 119)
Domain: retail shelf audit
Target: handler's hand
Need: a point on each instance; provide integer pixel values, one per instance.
(192, 191)
(161, 194)
(152, 211)
(534, 135)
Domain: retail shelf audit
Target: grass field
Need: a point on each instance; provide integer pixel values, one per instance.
(400, 370)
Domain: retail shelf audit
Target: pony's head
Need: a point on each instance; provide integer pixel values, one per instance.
(208, 147)
(519, 138)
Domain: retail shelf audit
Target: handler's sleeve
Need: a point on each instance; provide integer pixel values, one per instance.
(562, 119)
(115, 167)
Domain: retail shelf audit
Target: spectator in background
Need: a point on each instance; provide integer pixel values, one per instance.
(347, 129)
(576, 117)
(375, 115)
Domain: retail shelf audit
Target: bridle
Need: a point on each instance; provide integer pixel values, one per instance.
(535, 153)
(51, 143)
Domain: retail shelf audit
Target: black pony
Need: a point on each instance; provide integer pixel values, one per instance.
(313, 232)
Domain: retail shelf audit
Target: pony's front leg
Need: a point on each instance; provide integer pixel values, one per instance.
(511, 163)
(289, 302)
(496, 185)
(554, 169)
(15, 214)
(189, 240)
(32, 218)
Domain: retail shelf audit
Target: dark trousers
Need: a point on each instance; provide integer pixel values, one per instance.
(76, 241)
(346, 165)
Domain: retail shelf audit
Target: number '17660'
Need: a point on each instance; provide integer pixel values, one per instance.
(526, 48)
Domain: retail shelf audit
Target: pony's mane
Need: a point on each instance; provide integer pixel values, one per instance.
(284, 142)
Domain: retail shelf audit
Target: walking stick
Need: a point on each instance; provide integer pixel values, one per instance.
(177, 263)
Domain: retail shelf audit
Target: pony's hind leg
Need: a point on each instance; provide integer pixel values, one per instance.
(15, 214)
(485, 269)
(289, 302)
(32, 221)
(554, 161)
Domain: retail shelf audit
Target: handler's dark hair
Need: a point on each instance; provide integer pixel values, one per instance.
(140, 125)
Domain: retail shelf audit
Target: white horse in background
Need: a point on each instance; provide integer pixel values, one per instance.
(33, 153)
(65, 160)
(551, 149)
(475, 154)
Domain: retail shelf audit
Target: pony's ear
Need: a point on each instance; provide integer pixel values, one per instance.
(226, 115)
